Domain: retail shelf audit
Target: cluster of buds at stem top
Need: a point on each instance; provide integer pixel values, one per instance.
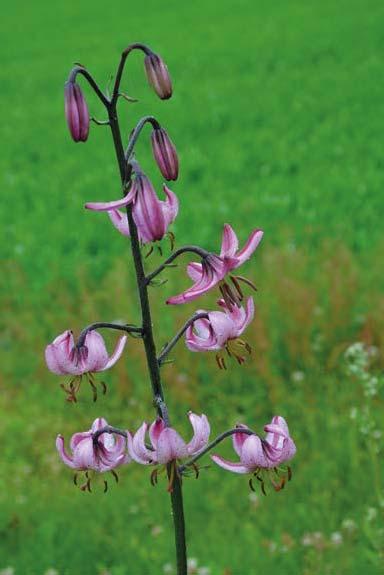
(212, 271)
(94, 453)
(158, 75)
(165, 154)
(221, 330)
(64, 357)
(263, 457)
(76, 112)
(151, 216)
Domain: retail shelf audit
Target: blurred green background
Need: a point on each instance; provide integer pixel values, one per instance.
(278, 118)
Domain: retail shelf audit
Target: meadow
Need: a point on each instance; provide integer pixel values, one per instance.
(278, 118)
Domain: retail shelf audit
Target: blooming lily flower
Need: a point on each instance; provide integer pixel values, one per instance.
(221, 330)
(166, 444)
(76, 112)
(99, 453)
(63, 357)
(213, 269)
(152, 216)
(262, 456)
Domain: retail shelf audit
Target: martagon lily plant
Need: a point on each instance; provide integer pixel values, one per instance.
(144, 218)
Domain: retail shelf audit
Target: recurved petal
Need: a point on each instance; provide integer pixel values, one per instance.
(201, 429)
(84, 455)
(280, 421)
(239, 438)
(202, 327)
(229, 243)
(58, 355)
(170, 206)
(249, 247)
(108, 206)
(242, 317)
(197, 343)
(97, 352)
(195, 271)
(155, 429)
(120, 221)
(62, 452)
(207, 281)
(52, 361)
(77, 437)
(223, 326)
(116, 353)
(230, 465)
(137, 449)
(170, 446)
(252, 454)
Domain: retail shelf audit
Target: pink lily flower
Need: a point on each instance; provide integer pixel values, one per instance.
(105, 453)
(151, 216)
(262, 456)
(213, 269)
(221, 330)
(167, 446)
(63, 357)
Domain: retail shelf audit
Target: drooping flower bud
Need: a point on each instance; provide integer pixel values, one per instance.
(158, 75)
(76, 112)
(165, 154)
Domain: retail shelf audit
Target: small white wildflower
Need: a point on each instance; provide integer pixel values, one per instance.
(203, 571)
(167, 569)
(349, 525)
(336, 538)
(371, 514)
(7, 571)
(307, 540)
(156, 530)
(192, 566)
(254, 499)
(298, 376)
(353, 413)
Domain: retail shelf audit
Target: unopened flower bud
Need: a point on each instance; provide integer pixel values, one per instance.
(76, 112)
(158, 76)
(165, 154)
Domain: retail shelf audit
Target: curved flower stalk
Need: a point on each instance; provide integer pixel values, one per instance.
(213, 269)
(89, 454)
(263, 457)
(151, 216)
(167, 446)
(63, 357)
(221, 331)
(76, 112)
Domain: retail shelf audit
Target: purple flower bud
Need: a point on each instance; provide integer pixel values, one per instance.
(158, 76)
(76, 112)
(165, 154)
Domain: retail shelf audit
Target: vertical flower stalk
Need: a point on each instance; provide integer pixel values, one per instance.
(146, 220)
(158, 76)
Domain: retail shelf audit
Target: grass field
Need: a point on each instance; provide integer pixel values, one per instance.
(278, 118)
